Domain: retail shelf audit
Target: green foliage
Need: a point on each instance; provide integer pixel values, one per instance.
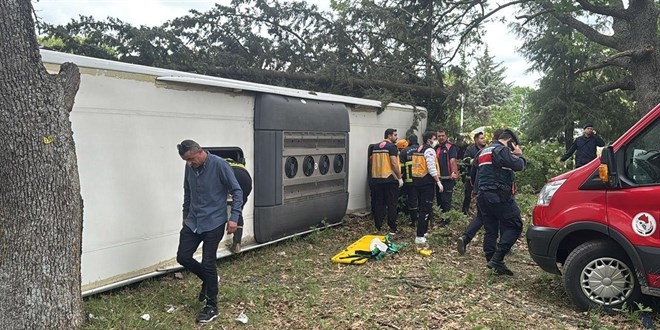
(483, 96)
(578, 68)
(512, 113)
(396, 51)
(634, 313)
(51, 42)
(542, 164)
(487, 91)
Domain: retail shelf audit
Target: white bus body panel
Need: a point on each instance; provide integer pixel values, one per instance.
(127, 120)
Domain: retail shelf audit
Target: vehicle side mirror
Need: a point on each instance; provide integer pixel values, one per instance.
(607, 171)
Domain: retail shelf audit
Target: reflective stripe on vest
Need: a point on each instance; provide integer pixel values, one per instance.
(234, 164)
(485, 156)
(407, 170)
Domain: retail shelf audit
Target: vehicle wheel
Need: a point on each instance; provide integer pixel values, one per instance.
(599, 274)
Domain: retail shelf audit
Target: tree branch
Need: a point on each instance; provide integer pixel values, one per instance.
(533, 16)
(69, 77)
(621, 59)
(258, 76)
(583, 28)
(625, 83)
(476, 23)
(617, 12)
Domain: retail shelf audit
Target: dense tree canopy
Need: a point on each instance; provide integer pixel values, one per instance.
(628, 32)
(400, 50)
(566, 98)
(390, 50)
(486, 89)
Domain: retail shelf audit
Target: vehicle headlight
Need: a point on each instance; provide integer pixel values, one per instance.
(545, 196)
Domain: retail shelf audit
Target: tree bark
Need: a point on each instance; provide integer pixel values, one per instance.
(40, 202)
(641, 37)
(635, 34)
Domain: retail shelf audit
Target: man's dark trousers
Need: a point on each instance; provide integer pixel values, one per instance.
(501, 216)
(386, 197)
(444, 198)
(207, 270)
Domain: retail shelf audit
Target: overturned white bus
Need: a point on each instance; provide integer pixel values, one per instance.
(306, 151)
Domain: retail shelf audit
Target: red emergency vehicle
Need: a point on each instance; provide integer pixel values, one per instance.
(597, 225)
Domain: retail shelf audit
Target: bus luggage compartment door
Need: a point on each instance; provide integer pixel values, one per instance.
(301, 165)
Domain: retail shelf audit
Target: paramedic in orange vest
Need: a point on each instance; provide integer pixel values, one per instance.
(426, 178)
(447, 154)
(386, 179)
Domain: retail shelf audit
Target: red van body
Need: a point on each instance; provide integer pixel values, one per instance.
(604, 232)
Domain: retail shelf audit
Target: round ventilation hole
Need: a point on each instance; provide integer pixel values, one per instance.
(338, 163)
(291, 167)
(324, 164)
(308, 165)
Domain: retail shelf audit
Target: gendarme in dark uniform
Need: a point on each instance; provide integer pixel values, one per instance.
(496, 204)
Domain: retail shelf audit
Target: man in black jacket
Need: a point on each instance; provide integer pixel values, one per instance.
(409, 190)
(584, 147)
(470, 155)
(245, 181)
(496, 204)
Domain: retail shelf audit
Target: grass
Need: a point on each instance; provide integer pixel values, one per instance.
(294, 285)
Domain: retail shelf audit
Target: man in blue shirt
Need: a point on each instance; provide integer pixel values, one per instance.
(208, 180)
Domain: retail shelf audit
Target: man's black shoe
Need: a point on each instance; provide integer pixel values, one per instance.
(499, 268)
(235, 247)
(443, 223)
(461, 245)
(207, 314)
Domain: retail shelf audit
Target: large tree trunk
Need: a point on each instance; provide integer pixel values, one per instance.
(646, 75)
(635, 40)
(40, 202)
(642, 38)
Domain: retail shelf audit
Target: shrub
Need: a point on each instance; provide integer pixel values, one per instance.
(542, 164)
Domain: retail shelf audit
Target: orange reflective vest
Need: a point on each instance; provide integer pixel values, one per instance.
(419, 167)
(381, 166)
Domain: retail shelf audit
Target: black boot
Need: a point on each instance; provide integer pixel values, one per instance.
(496, 263)
(236, 241)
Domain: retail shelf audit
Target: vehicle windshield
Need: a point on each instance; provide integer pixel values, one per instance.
(642, 157)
